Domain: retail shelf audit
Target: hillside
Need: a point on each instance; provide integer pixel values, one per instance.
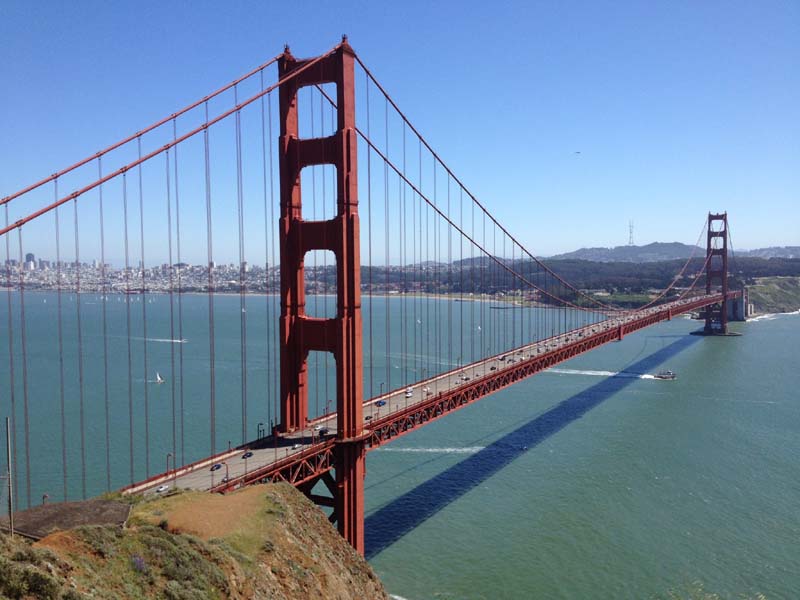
(659, 251)
(775, 294)
(655, 252)
(260, 542)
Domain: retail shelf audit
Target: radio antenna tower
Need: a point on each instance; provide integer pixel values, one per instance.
(630, 233)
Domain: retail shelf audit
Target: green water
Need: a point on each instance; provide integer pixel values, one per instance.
(575, 484)
(583, 486)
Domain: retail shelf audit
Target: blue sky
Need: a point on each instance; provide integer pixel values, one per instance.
(567, 119)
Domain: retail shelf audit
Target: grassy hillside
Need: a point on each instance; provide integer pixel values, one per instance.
(775, 294)
(261, 542)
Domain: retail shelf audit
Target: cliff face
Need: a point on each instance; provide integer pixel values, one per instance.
(261, 542)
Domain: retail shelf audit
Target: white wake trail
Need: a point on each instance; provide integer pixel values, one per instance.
(464, 450)
(623, 374)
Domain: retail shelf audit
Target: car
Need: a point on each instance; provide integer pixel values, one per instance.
(317, 427)
(162, 488)
(215, 467)
(324, 431)
(247, 454)
(295, 446)
(409, 394)
(380, 403)
(493, 368)
(368, 417)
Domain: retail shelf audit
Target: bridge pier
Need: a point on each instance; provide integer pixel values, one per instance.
(341, 335)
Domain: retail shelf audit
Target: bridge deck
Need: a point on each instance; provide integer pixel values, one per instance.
(301, 457)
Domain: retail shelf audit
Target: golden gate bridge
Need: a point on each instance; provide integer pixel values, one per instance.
(437, 304)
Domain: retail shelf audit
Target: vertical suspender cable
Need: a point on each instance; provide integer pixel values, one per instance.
(266, 248)
(325, 255)
(11, 378)
(369, 250)
(104, 318)
(461, 275)
(274, 227)
(449, 288)
(403, 316)
(437, 285)
(170, 268)
(60, 351)
(80, 350)
(23, 339)
(128, 323)
(143, 299)
(209, 247)
(242, 281)
(315, 267)
(415, 296)
(180, 290)
(386, 247)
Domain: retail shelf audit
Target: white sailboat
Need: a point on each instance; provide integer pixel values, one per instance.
(159, 378)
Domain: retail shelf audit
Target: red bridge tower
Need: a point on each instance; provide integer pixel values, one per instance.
(717, 273)
(341, 336)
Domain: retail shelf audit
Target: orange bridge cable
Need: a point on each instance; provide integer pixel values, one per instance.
(680, 273)
(474, 199)
(130, 138)
(696, 278)
(172, 144)
(502, 263)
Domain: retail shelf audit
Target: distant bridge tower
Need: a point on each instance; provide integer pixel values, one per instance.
(341, 335)
(717, 273)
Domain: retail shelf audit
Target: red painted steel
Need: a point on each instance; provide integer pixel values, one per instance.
(717, 274)
(342, 335)
(306, 468)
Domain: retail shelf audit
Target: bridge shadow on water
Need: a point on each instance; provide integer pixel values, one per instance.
(403, 514)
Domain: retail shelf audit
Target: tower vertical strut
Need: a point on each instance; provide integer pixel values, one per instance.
(717, 273)
(299, 333)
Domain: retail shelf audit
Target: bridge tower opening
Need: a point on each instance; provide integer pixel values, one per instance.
(717, 273)
(341, 335)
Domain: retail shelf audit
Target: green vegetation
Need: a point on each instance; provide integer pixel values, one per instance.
(775, 294)
(260, 542)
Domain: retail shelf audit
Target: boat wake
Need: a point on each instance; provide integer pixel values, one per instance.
(160, 340)
(464, 450)
(622, 374)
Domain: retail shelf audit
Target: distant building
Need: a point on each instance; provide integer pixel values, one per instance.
(29, 257)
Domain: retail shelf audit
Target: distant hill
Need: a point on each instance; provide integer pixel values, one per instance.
(659, 251)
(655, 252)
(771, 252)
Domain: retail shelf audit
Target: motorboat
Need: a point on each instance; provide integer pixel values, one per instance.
(159, 378)
(668, 375)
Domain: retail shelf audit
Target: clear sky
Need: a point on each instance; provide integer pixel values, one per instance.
(568, 119)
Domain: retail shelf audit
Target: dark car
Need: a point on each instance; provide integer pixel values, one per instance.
(247, 454)
(215, 467)
(380, 403)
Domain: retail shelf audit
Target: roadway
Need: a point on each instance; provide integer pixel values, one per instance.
(259, 455)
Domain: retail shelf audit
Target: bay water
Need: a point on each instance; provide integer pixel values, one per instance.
(592, 480)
